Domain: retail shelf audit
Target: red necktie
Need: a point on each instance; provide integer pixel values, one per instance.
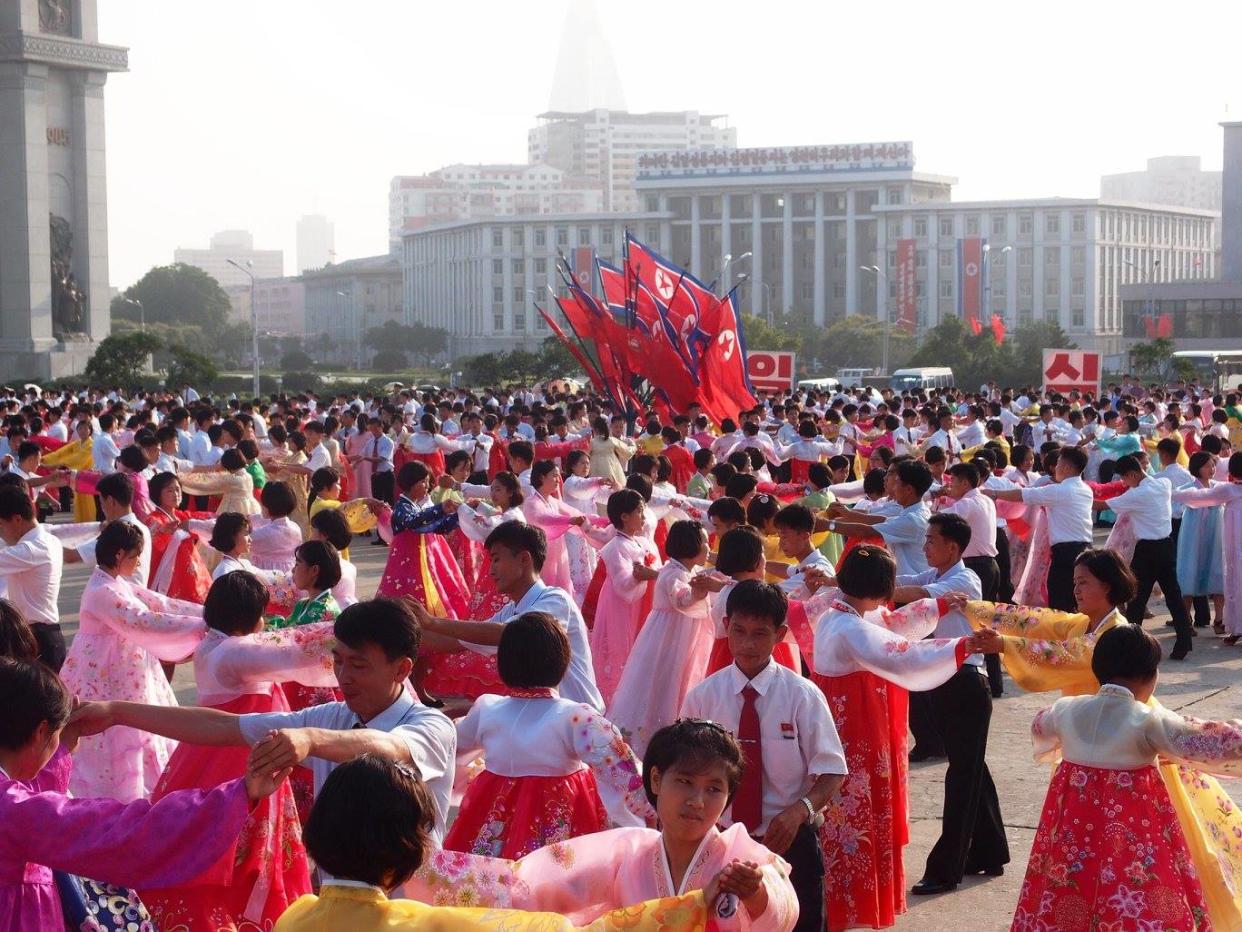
(748, 801)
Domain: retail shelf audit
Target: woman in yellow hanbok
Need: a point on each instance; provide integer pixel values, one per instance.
(76, 455)
(1045, 650)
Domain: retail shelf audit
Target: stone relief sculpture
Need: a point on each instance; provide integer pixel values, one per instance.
(68, 300)
(55, 17)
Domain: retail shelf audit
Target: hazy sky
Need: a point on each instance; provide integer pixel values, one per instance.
(250, 113)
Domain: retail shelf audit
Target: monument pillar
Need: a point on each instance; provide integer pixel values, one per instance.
(54, 285)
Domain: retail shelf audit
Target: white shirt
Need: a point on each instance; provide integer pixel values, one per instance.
(579, 681)
(427, 733)
(798, 735)
(797, 573)
(1179, 478)
(31, 571)
(142, 572)
(947, 441)
(200, 449)
(980, 513)
(1149, 505)
(905, 531)
(1068, 507)
(319, 458)
(383, 447)
(905, 439)
(972, 434)
(956, 578)
(58, 430)
(104, 452)
(482, 451)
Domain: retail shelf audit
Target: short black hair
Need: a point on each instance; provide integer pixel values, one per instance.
(1128, 464)
(1170, 447)
(533, 652)
(915, 474)
(967, 471)
(387, 623)
(758, 599)
(1076, 457)
(1108, 567)
(228, 527)
(1125, 652)
(818, 475)
(740, 550)
(235, 603)
(721, 473)
(132, 458)
(702, 457)
(332, 525)
(727, 509)
(232, 460)
(522, 450)
(15, 503)
(158, 483)
(741, 486)
(540, 471)
(278, 498)
(117, 537)
(953, 528)
(371, 822)
(685, 540)
(30, 693)
(116, 486)
(640, 484)
(873, 481)
(324, 558)
(761, 509)
(520, 537)
(868, 572)
(692, 746)
(796, 518)
(412, 473)
(622, 502)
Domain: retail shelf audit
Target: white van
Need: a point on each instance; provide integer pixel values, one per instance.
(852, 378)
(925, 377)
(819, 385)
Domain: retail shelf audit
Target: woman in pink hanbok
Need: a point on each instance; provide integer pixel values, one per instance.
(125, 631)
(134, 844)
(690, 771)
(669, 656)
(275, 535)
(582, 492)
(356, 453)
(545, 509)
(631, 563)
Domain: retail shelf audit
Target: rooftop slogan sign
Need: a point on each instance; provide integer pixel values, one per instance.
(852, 157)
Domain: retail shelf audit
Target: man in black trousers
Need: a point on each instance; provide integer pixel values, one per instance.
(972, 833)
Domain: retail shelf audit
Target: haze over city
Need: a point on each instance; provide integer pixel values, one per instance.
(241, 115)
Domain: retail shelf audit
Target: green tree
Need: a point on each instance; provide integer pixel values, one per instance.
(485, 369)
(187, 367)
(762, 335)
(388, 360)
(857, 341)
(176, 295)
(120, 359)
(555, 361)
(296, 361)
(1153, 359)
(424, 342)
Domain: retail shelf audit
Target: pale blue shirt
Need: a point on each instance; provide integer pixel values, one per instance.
(956, 578)
(905, 532)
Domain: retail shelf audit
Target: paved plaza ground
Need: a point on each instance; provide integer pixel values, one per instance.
(1207, 685)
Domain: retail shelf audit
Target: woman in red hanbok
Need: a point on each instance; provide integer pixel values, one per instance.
(239, 670)
(467, 551)
(177, 567)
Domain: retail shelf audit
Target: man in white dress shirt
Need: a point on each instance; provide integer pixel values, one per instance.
(795, 762)
(1148, 502)
(104, 450)
(972, 832)
(377, 644)
(116, 499)
(517, 552)
(30, 567)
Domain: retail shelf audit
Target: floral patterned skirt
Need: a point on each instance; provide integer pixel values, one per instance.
(509, 817)
(865, 826)
(1109, 855)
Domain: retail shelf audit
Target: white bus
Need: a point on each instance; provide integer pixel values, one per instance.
(852, 378)
(819, 385)
(1221, 369)
(925, 377)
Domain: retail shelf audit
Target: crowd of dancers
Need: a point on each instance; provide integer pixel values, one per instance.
(620, 672)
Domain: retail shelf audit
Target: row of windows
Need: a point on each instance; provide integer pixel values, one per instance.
(519, 322)
(771, 206)
(517, 237)
(1203, 319)
(998, 226)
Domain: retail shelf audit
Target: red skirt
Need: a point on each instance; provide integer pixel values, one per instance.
(434, 461)
(509, 817)
(467, 673)
(469, 556)
(1109, 852)
(799, 470)
(865, 826)
(252, 883)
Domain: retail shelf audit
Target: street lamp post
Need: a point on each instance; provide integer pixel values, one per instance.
(1150, 281)
(142, 314)
(987, 282)
(254, 319)
(729, 260)
(881, 280)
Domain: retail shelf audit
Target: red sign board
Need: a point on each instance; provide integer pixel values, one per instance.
(1066, 370)
(970, 280)
(907, 288)
(770, 371)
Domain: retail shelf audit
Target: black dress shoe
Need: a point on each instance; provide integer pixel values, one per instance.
(932, 887)
(1181, 648)
(918, 755)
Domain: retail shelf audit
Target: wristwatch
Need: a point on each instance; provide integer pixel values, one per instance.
(832, 525)
(814, 816)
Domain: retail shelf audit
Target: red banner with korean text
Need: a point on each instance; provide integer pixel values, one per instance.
(907, 287)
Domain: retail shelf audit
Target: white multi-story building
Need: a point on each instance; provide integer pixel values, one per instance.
(479, 279)
(316, 242)
(1178, 180)
(344, 301)
(237, 245)
(466, 192)
(604, 145)
(280, 306)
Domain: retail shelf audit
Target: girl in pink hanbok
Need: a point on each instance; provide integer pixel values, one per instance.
(125, 631)
(131, 844)
(356, 453)
(669, 656)
(238, 669)
(631, 564)
(582, 492)
(556, 769)
(690, 773)
(276, 535)
(545, 509)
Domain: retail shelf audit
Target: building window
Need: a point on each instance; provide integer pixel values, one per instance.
(836, 202)
(541, 266)
(498, 295)
(920, 259)
(498, 322)
(1026, 258)
(584, 236)
(1079, 223)
(1052, 223)
(498, 266)
(1024, 289)
(498, 239)
(894, 229)
(1078, 287)
(946, 226)
(519, 295)
(1077, 317)
(562, 236)
(519, 321)
(1026, 224)
(653, 203)
(808, 292)
(920, 226)
(998, 226)
(972, 226)
(1051, 287)
(518, 236)
(892, 258)
(946, 289)
(518, 266)
(838, 290)
(946, 258)
(541, 237)
(653, 233)
(740, 206)
(540, 323)
(605, 236)
(1052, 255)
(1078, 255)
(894, 195)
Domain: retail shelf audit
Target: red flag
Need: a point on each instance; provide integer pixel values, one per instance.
(587, 366)
(976, 327)
(998, 328)
(1149, 327)
(684, 296)
(724, 389)
(1164, 326)
(970, 279)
